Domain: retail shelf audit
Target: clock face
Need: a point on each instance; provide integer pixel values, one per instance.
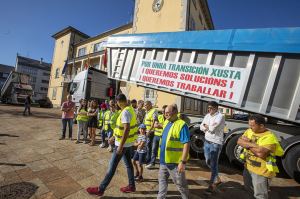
(157, 5)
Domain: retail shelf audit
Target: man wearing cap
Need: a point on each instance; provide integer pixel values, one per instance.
(173, 153)
(125, 134)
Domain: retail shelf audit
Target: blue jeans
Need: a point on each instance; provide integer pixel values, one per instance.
(149, 148)
(155, 145)
(114, 161)
(64, 126)
(212, 152)
(105, 134)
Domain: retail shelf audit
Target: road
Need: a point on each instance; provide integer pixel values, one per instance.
(35, 164)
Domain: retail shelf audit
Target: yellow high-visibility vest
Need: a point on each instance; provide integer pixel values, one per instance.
(259, 166)
(113, 119)
(157, 131)
(100, 121)
(106, 121)
(149, 119)
(83, 118)
(119, 129)
(174, 148)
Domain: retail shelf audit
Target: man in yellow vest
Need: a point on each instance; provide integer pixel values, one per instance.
(260, 150)
(125, 134)
(149, 120)
(173, 153)
(158, 129)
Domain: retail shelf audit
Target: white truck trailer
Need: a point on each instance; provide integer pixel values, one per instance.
(251, 70)
(16, 88)
(90, 84)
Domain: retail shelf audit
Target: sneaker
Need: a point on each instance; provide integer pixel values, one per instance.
(77, 142)
(210, 189)
(94, 191)
(61, 138)
(84, 142)
(103, 145)
(110, 149)
(136, 176)
(150, 166)
(127, 189)
(139, 179)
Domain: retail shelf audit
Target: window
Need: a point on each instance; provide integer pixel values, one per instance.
(5, 75)
(54, 94)
(57, 73)
(46, 74)
(81, 52)
(150, 95)
(44, 89)
(33, 79)
(99, 46)
(45, 81)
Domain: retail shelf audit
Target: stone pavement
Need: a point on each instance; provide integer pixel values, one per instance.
(34, 162)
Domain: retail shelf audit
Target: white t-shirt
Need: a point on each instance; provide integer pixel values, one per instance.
(125, 119)
(216, 124)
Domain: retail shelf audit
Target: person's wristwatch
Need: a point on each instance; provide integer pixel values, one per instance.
(183, 162)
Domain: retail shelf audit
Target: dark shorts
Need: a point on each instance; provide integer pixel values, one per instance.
(141, 157)
(93, 122)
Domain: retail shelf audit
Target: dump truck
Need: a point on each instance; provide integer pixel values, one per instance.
(248, 70)
(16, 88)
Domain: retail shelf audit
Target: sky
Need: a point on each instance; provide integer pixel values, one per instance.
(26, 26)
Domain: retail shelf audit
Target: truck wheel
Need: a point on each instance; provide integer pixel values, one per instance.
(233, 151)
(197, 143)
(291, 163)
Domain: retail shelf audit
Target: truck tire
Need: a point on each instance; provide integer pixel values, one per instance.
(197, 143)
(233, 151)
(291, 163)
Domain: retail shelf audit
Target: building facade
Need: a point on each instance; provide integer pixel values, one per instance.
(78, 50)
(39, 72)
(4, 72)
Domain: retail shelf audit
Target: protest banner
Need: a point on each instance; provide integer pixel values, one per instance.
(223, 83)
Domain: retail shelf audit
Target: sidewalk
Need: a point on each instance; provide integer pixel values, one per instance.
(30, 152)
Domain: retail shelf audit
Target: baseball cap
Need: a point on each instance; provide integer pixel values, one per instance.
(142, 126)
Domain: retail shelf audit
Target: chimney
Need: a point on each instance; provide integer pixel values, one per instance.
(41, 61)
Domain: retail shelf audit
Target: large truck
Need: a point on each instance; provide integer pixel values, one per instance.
(248, 70)
(90, 84)
(16, 88)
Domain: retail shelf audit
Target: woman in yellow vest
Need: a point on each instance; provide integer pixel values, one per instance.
(173, 153)
(260, 150)
(82, 120)
(125, 134)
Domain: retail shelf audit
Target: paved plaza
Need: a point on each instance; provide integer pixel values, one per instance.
(35, 164)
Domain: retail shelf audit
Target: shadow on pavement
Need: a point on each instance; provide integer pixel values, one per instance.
(8, 135)
(21, 190)
(33, 115)
(12, 164)
(289, 192)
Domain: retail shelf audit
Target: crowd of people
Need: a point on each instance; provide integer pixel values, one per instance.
(142, 135)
